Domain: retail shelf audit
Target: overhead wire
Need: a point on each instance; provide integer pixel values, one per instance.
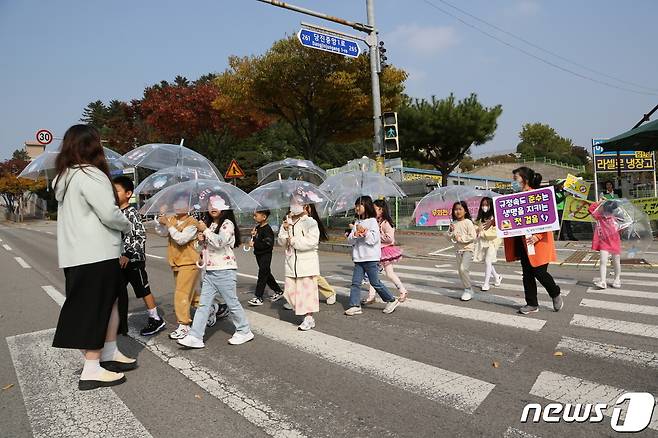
(534, 56)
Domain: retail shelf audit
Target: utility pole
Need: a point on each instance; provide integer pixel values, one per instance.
(372, 41)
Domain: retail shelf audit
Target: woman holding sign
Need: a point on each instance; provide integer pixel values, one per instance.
(535, 251)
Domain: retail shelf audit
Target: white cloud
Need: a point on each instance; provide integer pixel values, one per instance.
(428, 40)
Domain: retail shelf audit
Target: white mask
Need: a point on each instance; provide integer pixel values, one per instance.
(485, 208)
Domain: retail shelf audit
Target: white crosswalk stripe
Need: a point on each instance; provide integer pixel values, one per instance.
(601, 350)
(619, 307)
(22, 262)
(617, 326)
(624, 293)
(48, 382)
(568, 389)
(486, 297)
(447, 387)
(485, 316)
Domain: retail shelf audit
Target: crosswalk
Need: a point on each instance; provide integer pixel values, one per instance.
(434, 292)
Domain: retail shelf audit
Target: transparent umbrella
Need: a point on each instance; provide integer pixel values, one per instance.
(291, 168)
(345, 188)
(169, 176)
(192, 196)
(158, 156)
(44, 164)
(622, 221)
(441, 200)
(278, 194)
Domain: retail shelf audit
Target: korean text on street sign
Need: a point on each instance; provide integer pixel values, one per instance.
(44, 136)
(329, 43)
(577, 187)
(520, 214)
(234, 171)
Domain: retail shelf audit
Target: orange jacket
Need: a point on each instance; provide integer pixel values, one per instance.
(544, 250)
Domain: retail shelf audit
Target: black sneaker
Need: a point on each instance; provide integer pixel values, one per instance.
(255, 301)
(223, 311)
(276, 296)
(153, 326)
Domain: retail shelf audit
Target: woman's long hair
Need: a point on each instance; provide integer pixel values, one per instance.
(225, 215)
(81, 146)
(313, 212)
(386, 213)
(482, 216)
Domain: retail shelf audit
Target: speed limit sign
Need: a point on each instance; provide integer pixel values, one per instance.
(44, 136)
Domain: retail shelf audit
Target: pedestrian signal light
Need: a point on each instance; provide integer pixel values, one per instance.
(391, 143)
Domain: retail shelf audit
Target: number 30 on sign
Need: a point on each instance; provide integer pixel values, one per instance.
(44, 136)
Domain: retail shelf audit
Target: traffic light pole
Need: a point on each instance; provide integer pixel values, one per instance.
(377, 144)
(372, 41)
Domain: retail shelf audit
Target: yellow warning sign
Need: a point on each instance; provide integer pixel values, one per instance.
(234, 171)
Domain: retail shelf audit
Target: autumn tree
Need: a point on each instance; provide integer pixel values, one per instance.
(323, 97)
(14, 191)
(441, 131)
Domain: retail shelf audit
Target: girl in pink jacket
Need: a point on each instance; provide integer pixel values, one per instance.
(390, 252)
(606, 240)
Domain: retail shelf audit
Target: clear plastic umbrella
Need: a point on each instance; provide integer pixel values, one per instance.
(622, 221)
(192, 196)
(291, 168)
(442, 198)
(278, 194)
(345, 188)
(43, 166)
(169, 176)
(158, 156)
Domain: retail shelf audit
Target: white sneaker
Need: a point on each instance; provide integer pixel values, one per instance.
(241, 338)
(307, 324)
(180, 332)
(212, 316)
(390, 306)
(600, 284)
(616, 284)
(287, 306)
(331, 300)
(353, 311)
(190, 341)
(498, 281)
(467, 295)
(485, 287)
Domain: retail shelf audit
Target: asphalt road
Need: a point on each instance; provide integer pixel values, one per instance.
(435, 367)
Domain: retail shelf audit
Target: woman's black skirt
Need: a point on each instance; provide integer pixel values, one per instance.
(91, 291)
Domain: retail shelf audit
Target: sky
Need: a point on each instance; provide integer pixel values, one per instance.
(55, 57)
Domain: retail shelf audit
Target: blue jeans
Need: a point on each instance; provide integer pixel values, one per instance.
(371, 269)
(221, 282)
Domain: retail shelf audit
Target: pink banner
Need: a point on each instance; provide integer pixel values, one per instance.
(437, 213)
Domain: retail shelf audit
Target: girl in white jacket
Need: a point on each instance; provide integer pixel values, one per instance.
(300, 236)
(366, 252)
(219, 234)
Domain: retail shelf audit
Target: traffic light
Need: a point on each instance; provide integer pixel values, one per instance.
(382, 56)
(391, 143)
